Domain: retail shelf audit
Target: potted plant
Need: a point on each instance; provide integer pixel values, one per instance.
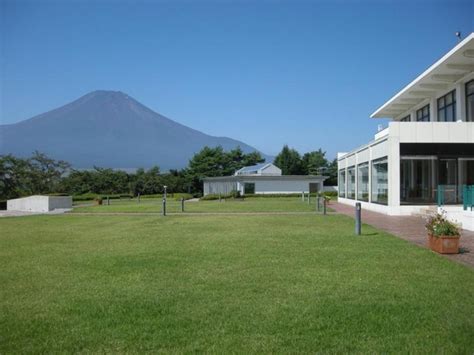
(443, 235)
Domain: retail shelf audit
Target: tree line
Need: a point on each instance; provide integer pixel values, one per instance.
(40, 174)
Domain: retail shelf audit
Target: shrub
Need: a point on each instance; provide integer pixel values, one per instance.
(98, 200)
(84, 197)
(273, 195)
(179, 196)
(438, 225)
(211, 197)
(330, 193)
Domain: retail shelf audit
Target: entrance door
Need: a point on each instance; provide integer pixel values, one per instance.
(448, 176)
(313, 187)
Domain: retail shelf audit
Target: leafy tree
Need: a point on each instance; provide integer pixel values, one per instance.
(211, 162)
(331, 172)
(314, 163)
(289, 161)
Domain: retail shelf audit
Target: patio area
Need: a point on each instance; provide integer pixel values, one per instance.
(410, 228)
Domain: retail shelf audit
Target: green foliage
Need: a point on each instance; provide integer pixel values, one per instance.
(289, 161)
(314, 163)
(211, 162)
(35, 175)
(438, 225)
(179, 196)
(212, 197)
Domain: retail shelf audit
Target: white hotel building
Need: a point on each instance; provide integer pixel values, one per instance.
(428, 143)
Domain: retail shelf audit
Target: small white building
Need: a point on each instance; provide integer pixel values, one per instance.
(38, 203)
(263, 178)
(427, 150)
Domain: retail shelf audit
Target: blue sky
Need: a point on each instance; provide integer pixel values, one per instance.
(303, 73)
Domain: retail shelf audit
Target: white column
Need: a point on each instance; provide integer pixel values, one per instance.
(370, 173)
(461, 102)
(433, 110)
(393, 172)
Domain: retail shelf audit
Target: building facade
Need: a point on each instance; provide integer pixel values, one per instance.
(427, 150)
(263, 179)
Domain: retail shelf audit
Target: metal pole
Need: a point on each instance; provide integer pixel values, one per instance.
(219, 197)
(108, 200)
(358, 210)
(182, 204)
(309, 198)
(138, 198)
(318, 203)
(324, 206)
(302, 196)
(164, 207)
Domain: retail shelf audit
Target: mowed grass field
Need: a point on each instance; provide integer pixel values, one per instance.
(253, 204)
(246, 284)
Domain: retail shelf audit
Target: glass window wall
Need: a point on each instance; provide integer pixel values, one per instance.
(470, 101)
(342, 183)
(351, 183)
(380, 181)
(447, 107)
(418, 179)
(423, 114)
(363, 182)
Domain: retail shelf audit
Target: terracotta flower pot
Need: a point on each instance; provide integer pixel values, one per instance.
(444, 244)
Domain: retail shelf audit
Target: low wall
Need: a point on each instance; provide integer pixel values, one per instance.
(39, 203)
(408, 210)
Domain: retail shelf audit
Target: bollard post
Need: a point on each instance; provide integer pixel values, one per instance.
(324, 206)
(318, 203)
(164, 207)
(309, 198)
(302, 196)
(358, 209)
(182, 204)
(108, 200)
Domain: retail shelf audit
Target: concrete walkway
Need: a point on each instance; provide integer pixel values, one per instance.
(410, 228)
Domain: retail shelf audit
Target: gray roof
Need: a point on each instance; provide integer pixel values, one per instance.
(250, 168)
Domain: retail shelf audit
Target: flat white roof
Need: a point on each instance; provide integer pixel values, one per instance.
(452, 67)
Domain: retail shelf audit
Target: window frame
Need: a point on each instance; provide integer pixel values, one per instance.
(470, 82)
(422, 117)
(342, 171)
(358, 168)
(444, 107)
(352, 169)
(374, 162)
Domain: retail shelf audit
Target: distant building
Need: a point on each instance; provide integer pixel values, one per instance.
(263, 178)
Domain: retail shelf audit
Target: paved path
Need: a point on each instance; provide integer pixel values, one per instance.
(411, 228)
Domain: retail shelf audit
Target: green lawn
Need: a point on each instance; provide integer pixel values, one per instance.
(254, 204)
(246, 284)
